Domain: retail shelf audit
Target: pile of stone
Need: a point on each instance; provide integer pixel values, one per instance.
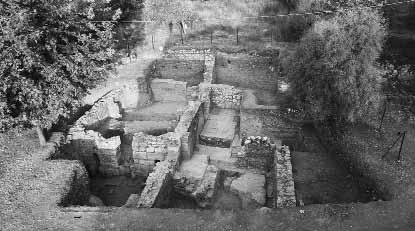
(257, 152)
(264, 140)
(284, 185)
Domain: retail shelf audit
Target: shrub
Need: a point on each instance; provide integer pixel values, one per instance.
(333, 73)
(51, 53)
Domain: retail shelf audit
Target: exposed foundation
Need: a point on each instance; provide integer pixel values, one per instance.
(183, 139)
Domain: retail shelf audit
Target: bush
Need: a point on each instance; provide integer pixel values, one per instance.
(51, 53)
(333, 73)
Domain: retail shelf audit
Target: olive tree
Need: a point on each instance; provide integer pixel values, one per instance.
(51, 53)
(169, 12)
(333, 72)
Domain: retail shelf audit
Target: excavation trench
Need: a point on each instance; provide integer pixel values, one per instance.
(321, 178)
(196, 147)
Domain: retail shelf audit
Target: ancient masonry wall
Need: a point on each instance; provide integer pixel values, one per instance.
(96, 152)
(168, 90)
(246, 71)
(148, 150)
(257, 152)
(158, 187)
(144, 93)
(220, 95)
(190, 126)
(284, 191)
(187, 70)
(159, 183)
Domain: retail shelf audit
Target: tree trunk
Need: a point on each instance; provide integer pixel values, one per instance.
(181, 35)
(41, 136)
(237, 35)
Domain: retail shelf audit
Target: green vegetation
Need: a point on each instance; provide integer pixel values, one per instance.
(333, 72)
(51, 53)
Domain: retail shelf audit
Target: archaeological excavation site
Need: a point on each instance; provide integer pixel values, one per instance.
(190, 115)
(199, 132)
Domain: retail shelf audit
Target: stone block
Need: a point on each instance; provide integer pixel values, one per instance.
(156, 156)
(139, 155)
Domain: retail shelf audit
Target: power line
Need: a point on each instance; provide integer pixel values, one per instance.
(381, 5)
(332, 11)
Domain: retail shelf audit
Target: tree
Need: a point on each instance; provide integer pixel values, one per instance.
(333, 72)
(51, 53)
(167, 12)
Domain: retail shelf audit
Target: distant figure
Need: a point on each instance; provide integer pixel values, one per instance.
(171, 27)
(161, 48)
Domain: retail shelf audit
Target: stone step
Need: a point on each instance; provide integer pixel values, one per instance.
(149, 127)
(134, 115)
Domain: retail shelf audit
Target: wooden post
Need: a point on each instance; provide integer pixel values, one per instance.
(383, 116)
(181, 35)
(271, 37)
(237, 35)
(40, 135)
(211, 38)
(152, 40)
(400, 148)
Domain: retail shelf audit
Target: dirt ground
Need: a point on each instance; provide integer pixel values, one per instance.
(114, 191)
(28, 194)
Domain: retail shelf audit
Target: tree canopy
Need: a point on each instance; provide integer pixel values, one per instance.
(52, 53)
(166, 11)
(333, 72)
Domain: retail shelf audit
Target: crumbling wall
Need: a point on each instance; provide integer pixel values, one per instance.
(220, 95)
(284, 191)
(190, 126)
(106, 107)
(100, 155)
(205, 55)
(192, 93)
(168, 90)
(147, 150)
(97, 153)
(190, 71)
(256, 152)
(144, 94)
(159, 184)
(246, 71)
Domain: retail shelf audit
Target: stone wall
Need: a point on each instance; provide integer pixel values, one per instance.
(190, 54)
(159, 183)
(144, 93)
(190, 126)
(205, 55)
(168, 90)
(106, 107)
(148, 150)
(192, 93)
(246, 71)
(284, 191)
(190, 71)
(158, 187)
(220, 95)
(99, 154)
(256, 152)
